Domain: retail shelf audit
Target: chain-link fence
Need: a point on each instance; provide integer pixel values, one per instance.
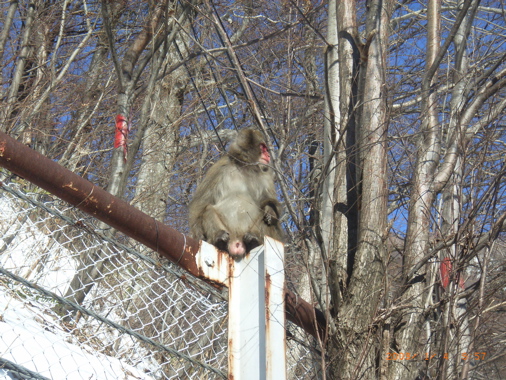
(77, 302)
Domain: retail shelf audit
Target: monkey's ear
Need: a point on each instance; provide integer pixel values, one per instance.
(230, 137)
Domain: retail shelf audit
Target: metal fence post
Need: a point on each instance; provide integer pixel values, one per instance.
(275, 313)
(256, 321)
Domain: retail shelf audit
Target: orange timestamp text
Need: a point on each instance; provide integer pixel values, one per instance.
(473, 355)
(430, 356)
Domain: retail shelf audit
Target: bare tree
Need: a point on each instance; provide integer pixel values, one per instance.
(386, 123)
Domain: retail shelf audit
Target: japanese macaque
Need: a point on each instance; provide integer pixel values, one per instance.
(235, 205)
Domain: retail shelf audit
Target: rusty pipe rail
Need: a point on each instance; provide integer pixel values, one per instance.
(97, 202)
(93, 200)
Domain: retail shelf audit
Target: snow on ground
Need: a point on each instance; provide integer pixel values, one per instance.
(37, 343)
(29, 336)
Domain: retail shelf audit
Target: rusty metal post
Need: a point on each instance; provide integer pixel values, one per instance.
(246, 317)
(275, 324)
(256, 318)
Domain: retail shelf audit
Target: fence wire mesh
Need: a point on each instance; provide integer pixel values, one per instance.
(77, 302)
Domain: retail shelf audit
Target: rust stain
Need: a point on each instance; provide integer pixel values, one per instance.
(220, 261)
(201, 273)
(230, 360)
(214, 284)
(188, 250)
(200, 268)
(71, 186)
(231, 265)
(92, 201)
(268, 285)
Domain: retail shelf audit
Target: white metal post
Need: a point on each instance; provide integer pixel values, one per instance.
(256, 319)
(275, 304)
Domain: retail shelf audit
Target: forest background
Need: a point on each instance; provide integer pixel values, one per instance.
(386, 125)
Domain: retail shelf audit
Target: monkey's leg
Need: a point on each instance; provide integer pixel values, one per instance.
(254, 235)
(215, 230)
(250, 241)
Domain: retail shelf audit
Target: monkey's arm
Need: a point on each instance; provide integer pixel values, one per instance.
(204, 196)
(206, 192)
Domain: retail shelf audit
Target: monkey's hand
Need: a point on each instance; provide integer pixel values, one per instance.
(270, 215)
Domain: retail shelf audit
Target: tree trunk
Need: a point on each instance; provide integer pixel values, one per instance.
(422, 198)
(7, 23)
(26, 51)
(90, 268)
(356, 349)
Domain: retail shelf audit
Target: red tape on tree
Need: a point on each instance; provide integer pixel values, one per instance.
(121, 135)
(446, 268)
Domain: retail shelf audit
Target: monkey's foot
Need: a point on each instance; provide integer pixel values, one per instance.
(250, 241)
(222, 239)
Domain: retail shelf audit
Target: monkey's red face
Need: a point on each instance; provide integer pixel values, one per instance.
(265, 157)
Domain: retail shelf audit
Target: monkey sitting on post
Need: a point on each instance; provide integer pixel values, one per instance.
(235, 205)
